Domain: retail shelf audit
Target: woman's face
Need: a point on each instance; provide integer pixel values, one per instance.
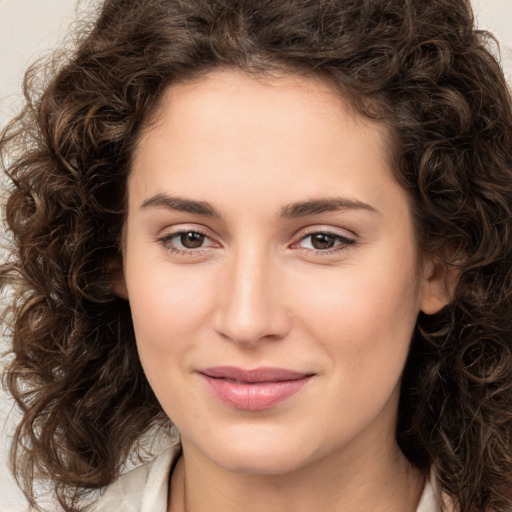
(272, 272)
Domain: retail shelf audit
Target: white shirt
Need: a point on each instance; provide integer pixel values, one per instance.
(145, 489)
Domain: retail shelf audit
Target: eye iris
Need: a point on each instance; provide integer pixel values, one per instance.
(322, 241)
(191, 240)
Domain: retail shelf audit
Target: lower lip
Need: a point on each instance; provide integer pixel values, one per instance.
(254, 396)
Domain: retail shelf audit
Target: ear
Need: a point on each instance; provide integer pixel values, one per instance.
(439, 281)
(117, 280)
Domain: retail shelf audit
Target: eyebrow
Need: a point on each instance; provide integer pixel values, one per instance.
(316, 206)
(290, 211)
(181, 204)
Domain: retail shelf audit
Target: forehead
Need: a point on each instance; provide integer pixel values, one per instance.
(294, 135)
(285, 96)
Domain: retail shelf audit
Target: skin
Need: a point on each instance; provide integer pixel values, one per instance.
(257, 291)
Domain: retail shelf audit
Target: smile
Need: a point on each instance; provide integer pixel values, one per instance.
(253, 390)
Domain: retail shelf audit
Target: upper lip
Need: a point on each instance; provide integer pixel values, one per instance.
(262, 374)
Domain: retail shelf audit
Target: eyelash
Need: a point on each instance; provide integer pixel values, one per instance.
(343, 243)
(166, 242)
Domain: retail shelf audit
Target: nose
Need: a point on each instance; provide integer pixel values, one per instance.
(251, 302)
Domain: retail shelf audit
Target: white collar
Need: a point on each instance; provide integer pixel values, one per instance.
(146, 488)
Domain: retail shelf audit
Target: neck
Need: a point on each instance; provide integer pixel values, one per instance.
(381, 482)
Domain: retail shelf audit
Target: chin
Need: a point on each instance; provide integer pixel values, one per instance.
(263, 463)
(260, 454)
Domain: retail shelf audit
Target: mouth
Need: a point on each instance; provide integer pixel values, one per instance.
(256, 389)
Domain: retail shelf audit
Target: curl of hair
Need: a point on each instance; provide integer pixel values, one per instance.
(420, 67)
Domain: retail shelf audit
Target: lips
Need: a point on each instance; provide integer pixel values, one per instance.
(253, 390)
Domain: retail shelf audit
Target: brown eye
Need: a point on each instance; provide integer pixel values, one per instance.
(323, 241)
(187, 242)
(192, 239)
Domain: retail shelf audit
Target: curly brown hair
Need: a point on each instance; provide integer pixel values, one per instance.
(419, 66)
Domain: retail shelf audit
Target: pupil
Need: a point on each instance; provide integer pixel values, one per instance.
(322, 241)
(192, 240)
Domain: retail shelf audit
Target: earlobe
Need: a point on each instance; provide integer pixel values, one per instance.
(117, 280)
(439, 282)
(119, 287)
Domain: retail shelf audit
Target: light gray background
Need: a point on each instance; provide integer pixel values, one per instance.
(31, 28)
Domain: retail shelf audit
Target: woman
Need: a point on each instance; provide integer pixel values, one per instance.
(283, 226)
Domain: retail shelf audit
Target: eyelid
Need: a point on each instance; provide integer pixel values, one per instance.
(330, 230)
(346, 239)
(173, 231)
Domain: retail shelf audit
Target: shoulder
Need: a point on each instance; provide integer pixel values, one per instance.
(433, 501)
(427, 501)
(143, 489)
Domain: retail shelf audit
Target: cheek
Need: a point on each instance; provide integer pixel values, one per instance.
(364, 331)
(168, 302)
(168, 311)
(363, 319)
